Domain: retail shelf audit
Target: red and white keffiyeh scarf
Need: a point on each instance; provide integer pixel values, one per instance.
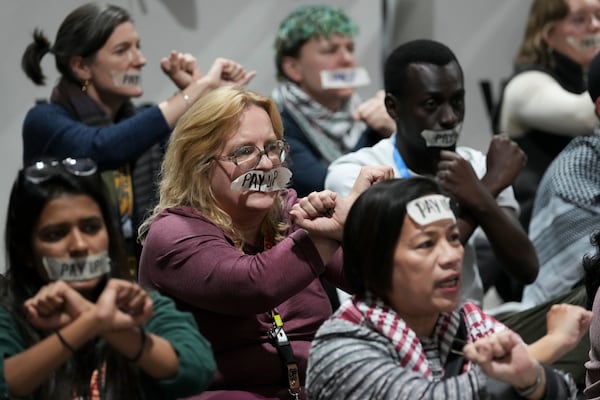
(374, 313)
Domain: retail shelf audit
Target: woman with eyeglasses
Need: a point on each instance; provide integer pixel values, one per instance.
(405, 333)
(70, 326)
(98, 53)
(545, 103)
(224, 244)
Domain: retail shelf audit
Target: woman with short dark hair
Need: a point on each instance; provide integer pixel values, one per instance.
(405, 333)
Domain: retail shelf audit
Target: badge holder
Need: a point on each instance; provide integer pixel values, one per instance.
(279, 339)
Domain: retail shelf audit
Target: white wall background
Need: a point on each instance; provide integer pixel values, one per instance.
(483, 33)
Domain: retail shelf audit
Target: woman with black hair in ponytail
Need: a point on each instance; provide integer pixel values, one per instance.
(90, 112)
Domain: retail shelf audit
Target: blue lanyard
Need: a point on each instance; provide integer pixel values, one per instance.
(400, 164)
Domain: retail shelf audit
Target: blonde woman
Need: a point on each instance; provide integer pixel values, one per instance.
(224, 244)
(545, 104)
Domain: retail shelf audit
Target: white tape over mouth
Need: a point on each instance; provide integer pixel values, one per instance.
(584, 43)
(430, 208)
(344, 78)
(263, 181)
(126, 79)
(78, 268)
(442, 138)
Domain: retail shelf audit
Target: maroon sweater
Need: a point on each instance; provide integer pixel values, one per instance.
(231, 293)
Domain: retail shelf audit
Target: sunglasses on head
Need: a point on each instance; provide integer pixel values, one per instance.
(42, 170)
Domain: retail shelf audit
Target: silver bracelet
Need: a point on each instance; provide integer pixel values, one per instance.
(186, 99)
(538, 381)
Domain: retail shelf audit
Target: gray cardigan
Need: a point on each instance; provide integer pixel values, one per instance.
(349, 361)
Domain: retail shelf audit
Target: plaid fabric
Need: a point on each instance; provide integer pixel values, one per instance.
(373, 311)
(332, 133)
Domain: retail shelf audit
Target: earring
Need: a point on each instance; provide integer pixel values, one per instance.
(84, 85)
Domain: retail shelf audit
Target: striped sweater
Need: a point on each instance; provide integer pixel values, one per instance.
(355, 361)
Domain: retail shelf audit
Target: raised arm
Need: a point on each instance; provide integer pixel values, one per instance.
(185, 253)
(375, 115)
(534, 100)
(323, 214)
(50, 129)
(222, 72)
(566, 324)
(479, 207)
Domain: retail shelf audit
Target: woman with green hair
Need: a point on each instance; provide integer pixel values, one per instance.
(322, 122)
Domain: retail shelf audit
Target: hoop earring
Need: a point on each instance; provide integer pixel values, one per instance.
(84, 86)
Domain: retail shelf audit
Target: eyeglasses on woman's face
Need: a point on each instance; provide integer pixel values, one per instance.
(247, 158)
(41, 171)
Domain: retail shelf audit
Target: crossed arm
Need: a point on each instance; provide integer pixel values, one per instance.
(122, 308)
(478, 206)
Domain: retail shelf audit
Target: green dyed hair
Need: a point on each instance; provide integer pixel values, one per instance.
(306, 22)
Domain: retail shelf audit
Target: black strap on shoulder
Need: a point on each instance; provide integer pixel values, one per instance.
(456, 358)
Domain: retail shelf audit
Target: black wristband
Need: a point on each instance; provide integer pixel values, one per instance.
(64, 342)
(139, 353)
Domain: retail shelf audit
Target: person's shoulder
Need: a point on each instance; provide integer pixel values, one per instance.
(175, 221)
(285, 115)
(476, 315)
(8, 319)
(45, 109)
(337, 327)
(529, 80)
(291, 128)
(576, 159)
(342, 172)
(42, 121)
(380, 153)
(177, 213)
(42, 117)
(592, 141)
(571, 168)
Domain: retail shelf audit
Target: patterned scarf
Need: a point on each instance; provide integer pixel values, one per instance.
(373, 312)
(332, 133)
(581, 158)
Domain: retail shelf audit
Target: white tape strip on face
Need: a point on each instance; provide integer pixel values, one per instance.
(584, 43)
(77, 269)
(126, 79)
(263, 181)
(442, 138)
(344, 78)
(430, 208)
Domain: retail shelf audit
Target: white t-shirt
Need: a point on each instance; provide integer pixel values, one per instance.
(343, 172)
